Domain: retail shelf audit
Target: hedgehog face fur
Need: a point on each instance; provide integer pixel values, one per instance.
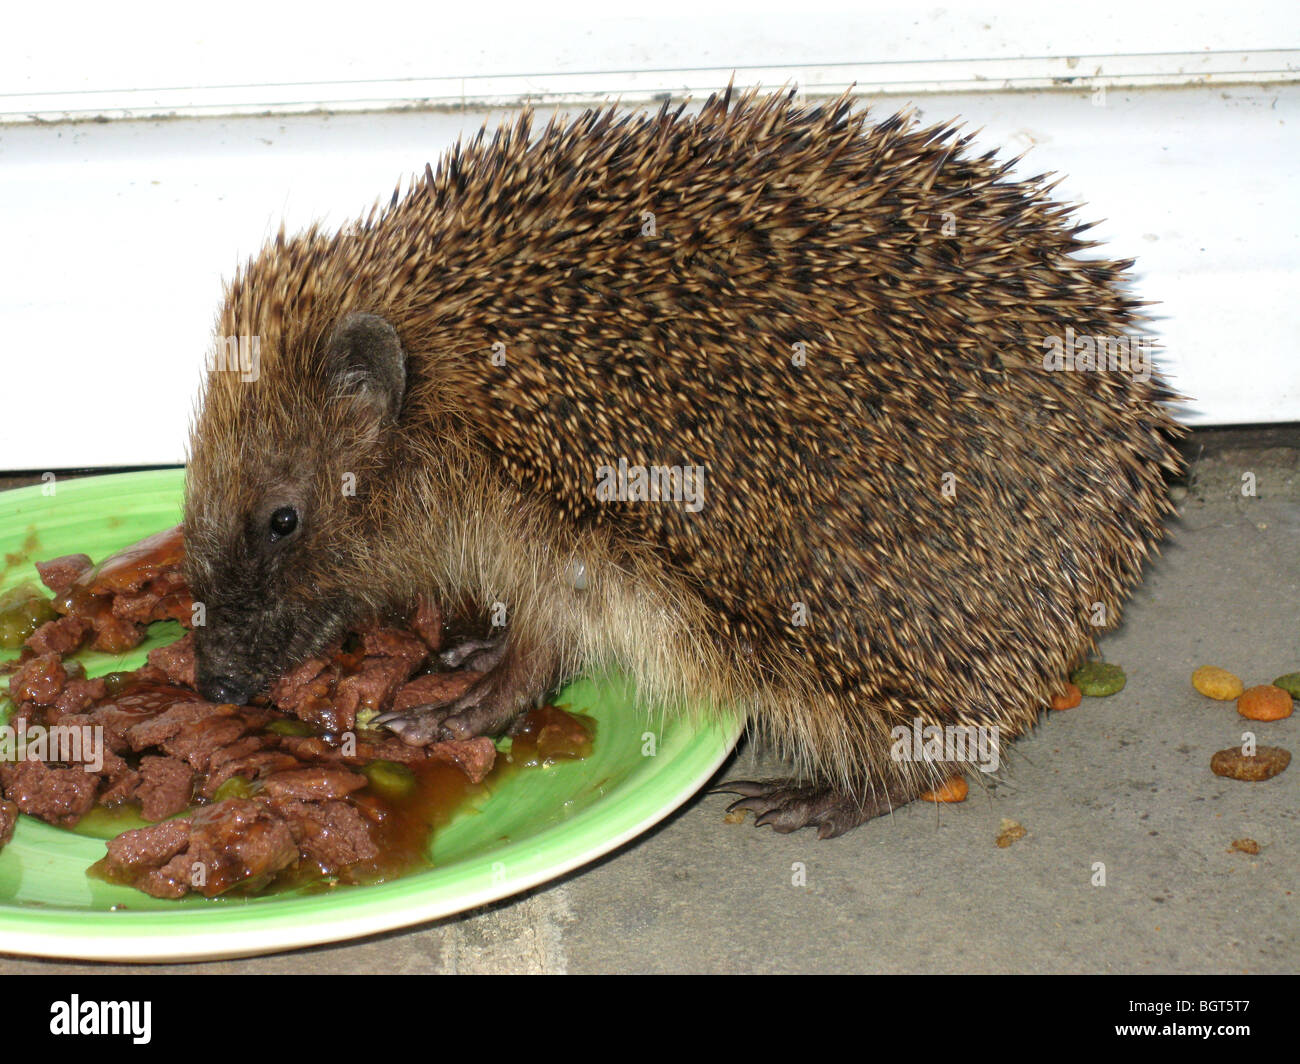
(264, 542)
(917, 519)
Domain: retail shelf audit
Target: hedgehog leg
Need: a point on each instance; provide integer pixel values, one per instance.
(788, 805)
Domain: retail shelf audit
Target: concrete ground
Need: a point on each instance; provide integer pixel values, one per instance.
(1123, 781)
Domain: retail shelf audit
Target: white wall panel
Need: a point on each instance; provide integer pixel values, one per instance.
(116, 234)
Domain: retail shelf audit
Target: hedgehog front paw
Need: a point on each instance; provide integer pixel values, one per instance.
(485, 709)
(788, 806)
(479, 711)
(417, 725)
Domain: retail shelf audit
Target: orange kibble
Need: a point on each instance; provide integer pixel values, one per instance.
(955, 790)
(1069, 698)
(1264, 702)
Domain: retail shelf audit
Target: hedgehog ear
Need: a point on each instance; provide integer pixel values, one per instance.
(364, 361)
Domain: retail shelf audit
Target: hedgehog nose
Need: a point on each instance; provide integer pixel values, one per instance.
(224, 689)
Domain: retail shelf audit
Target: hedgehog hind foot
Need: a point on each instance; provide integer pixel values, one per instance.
(787, 805)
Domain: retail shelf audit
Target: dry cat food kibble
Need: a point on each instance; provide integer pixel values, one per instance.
(1290, 683)
(1214, 682)
(1265, 763)
(1069, 698)
(1245, 846)
(1009, 831)
(1098, 679)
(1264, 702)
(953, 790)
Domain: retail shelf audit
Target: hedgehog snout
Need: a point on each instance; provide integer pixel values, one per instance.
(235, 651)
(224, 689)
(222, 673)
(251, 639)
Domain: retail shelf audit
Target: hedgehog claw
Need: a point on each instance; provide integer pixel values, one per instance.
(416, 726)
(786, 806)
(749, 788)
(481, 655)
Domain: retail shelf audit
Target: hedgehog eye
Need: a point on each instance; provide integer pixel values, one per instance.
(283, 522)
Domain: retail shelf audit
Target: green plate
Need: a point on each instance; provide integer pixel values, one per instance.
(533, 826)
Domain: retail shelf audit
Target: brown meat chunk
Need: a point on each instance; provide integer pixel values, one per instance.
(474, 757)
(239, 842)
(177, 660)
(138, 607)
(78, 694)
(309, 748)
(249, 744)
(178, 606)
(166, 787)
(391, 749)
(59, 574)
(120, 790)
(148, 847)
(73, 738)
(370, 688)
(56, 795)
(134, 708)
(168, 582)
(63, 635)
(172, 880)
(313, 784)
(298, 688)
(251, 767)
(435, 688)
(154, 730)
(322, 714)
(113, 635)
(39, 681)
(113, 767)
(235, 843)
(8, 820)
(394, 643)
(162, 599)
(134, 566)
(332, 835)
(197, 741)
(151, 674)
(427, 622)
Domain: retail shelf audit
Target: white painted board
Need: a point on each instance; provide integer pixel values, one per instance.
(117, 237)
(82, 57)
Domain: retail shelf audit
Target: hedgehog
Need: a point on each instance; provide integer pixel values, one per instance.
(755, 404)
